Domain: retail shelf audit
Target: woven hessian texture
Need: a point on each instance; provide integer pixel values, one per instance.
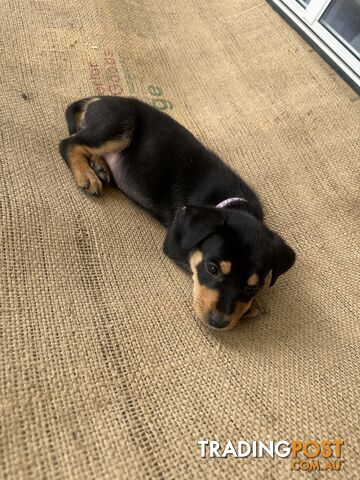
(105, 372)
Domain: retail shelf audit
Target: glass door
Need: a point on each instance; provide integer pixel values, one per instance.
(342, 19)
(334, 26)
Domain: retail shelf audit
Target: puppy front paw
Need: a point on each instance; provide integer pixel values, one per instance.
(254, 311)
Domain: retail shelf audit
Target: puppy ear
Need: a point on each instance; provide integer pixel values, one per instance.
(189, 227)
(283, 258)
(196, 223)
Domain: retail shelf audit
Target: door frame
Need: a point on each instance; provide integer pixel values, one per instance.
(306, 21)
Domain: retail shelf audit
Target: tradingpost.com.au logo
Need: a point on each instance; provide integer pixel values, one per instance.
(306, 455)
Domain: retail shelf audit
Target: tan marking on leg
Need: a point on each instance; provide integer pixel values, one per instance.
(84, 175)
(253, 280)
(225, 267)
(98, 162)
(204, 299)
(79, 156)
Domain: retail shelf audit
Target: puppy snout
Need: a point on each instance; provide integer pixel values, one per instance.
(216, 320)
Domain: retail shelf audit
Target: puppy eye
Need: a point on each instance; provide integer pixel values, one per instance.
(212, 268)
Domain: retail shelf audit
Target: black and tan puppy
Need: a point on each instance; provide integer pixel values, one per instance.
(214, 220)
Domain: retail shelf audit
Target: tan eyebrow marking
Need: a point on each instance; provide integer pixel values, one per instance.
(195, 259)
(225, 267)
(253, 279)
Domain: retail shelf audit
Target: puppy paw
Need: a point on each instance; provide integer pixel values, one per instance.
(99, 166)
(254, 311)
(88, 181)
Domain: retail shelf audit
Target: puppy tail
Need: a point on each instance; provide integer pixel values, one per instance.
(70, 113)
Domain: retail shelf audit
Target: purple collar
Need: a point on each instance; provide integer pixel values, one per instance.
(230, 201)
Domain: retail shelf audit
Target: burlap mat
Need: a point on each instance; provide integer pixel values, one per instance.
(105, 373)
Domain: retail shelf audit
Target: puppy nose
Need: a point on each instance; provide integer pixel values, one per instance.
(216, 320)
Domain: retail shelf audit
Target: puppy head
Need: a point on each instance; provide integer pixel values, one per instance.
(230, 253)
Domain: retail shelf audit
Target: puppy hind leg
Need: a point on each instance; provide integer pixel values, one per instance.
(77, 157)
